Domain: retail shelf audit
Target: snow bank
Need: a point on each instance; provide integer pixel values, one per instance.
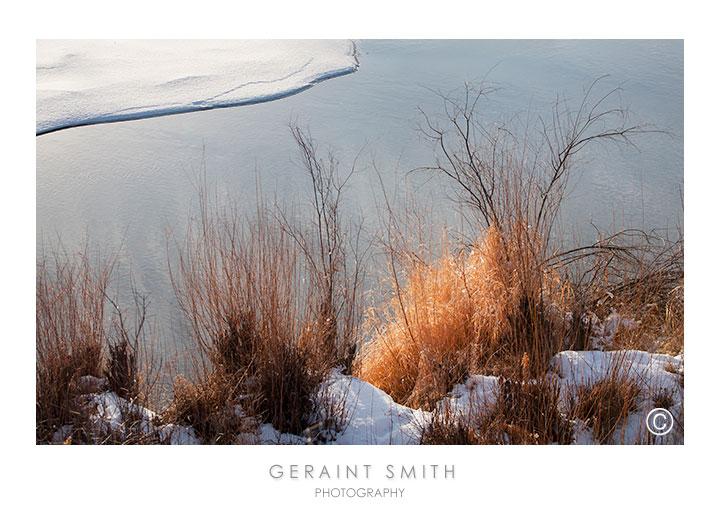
(372, 416)
(653, 373)
(113, 412)
(86, 82)
(369, 416)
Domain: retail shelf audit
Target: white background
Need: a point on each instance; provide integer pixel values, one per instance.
(488, 478)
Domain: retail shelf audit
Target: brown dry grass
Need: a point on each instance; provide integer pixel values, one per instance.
(240, 286)
(81, 332)
(500, 306)
(654, 297)
(210, 409)
(606, 403)
(272, 305)
(522, 412)
(71, 334)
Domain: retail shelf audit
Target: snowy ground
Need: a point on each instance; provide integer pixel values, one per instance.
(86, 82)
(372, 417)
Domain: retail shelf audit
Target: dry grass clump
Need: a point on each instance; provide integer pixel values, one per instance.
(422, 337)
(71, 332)
(73, 329)
(448, 428)
(209, 408)
(530, 412)
(653, 294)
(526, 413)
(606, 403)
(122, 370)
(523, 412)
(272, 304)
(473, 311)
(240, 287)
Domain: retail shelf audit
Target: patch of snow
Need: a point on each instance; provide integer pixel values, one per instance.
(653, 373)
(111, 414)
(372, 416)
(178, 435)
(604, 331)
(474, 396)
(81, 82)
(267, 434)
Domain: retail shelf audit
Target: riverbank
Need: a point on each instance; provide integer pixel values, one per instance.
(368, 416)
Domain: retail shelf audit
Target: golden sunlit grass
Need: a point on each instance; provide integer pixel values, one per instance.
(448, 317)
(505, 300)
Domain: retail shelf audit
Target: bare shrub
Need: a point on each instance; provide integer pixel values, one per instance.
(131, 369)
(333, 250)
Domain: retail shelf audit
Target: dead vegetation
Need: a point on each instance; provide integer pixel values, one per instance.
(521, 412)
(605, 404)
(515, 295)
(84, 347)
(273, 300)
(272, 304)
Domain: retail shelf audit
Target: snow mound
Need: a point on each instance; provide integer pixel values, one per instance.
(655, 374)
(114, 417)
(365, 415)
(372, 416)
(87, 82)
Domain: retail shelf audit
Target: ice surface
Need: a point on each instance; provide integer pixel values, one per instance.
(94, 81)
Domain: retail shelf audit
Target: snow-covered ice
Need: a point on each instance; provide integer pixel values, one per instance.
(82, 82)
